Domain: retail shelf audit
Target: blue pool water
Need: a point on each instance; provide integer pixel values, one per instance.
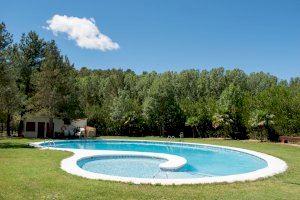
(202, 161)
(141, 167)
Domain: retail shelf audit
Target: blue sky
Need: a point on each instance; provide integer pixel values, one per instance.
(161, 35)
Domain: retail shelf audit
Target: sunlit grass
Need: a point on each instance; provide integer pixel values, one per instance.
(29, 173)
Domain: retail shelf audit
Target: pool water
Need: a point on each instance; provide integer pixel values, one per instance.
(139, 167)
(202, 160)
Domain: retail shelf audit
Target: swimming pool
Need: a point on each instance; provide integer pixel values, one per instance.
(164, 162)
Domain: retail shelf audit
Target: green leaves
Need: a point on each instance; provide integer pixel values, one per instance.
(35, 77)
(124, 109)
(56, 92)
(262, 121)
(231, 100)
(221, 120)
(261, 118)
(10, 97)
(160, 106)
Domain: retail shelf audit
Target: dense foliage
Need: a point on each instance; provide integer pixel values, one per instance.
(35, 77)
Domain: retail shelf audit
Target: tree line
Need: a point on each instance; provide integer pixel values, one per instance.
(37, 78)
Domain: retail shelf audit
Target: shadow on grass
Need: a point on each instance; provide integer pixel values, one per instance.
(292, 182)
(12, 145)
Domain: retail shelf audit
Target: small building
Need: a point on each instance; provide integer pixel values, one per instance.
(38, 127)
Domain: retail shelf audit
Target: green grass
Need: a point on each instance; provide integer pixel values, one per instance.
(29, 173)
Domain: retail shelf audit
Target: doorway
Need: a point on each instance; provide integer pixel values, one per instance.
(41, 129)
(48, 131)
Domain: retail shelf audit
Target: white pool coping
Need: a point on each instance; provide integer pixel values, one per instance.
(274, 165)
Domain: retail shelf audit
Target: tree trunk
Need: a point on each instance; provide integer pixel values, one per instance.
(51, 132)
(160, 130)
(197, 131)
(261, 134)
(8, 124)
(20, 127)
(193, 132)
(21, 123)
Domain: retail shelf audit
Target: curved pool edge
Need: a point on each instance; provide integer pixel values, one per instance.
(274, 165)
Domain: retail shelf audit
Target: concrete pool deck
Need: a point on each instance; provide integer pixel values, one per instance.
(173, 162)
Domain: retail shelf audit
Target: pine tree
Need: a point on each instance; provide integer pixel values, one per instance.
(55, 87)
(10, 98)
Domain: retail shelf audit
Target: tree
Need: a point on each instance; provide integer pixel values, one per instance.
(198, 115)
(31, 52)
(28, 58)
(193, 122)
(143, 84)
(10, 99)
(263, 121)
(283, 102)
(258, 82)
(203, 84)
(216, 81)
(231, 104)
(223, 121)
(186, 85)
(236, 77)
(125, 112)
(55, 87)
(160, 107)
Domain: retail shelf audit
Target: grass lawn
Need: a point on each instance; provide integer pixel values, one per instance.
(29, 173)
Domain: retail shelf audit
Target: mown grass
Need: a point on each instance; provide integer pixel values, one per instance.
(29, 173)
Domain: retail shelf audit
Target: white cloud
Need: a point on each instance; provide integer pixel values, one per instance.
(84, 31)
